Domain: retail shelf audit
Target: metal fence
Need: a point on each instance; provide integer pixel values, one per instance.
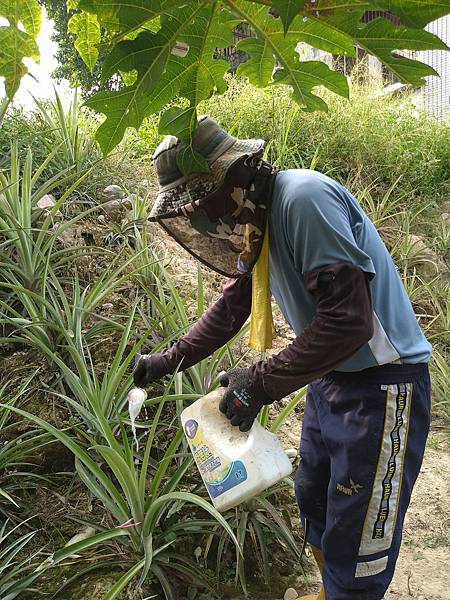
(436, 94)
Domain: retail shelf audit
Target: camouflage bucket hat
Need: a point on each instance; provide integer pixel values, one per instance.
(218, 147)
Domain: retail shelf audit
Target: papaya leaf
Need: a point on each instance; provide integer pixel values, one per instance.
(415, 13)
(260, 68)
(87, 30)
(303, 77)
(164, 49)
(206, 74)
(182, 122)
(18, 40)
(176, 60)
(147, 54)
(124, 108)
(27, 12)
(190, 161)
(14, 46)
(124, 17)
(192, 71)
(287, 10)
(381, 38)
(178, 121)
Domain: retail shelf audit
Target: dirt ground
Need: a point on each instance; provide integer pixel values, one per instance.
(423, 568)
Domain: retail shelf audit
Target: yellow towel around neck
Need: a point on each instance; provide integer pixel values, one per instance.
(262, 330)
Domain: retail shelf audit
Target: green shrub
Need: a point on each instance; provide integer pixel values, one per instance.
(367, 139)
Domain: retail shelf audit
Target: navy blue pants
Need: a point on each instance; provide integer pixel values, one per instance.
(362, 445)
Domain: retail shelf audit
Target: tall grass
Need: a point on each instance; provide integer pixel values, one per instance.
(373, 140)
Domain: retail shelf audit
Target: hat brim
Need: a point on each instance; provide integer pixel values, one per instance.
(202, 184)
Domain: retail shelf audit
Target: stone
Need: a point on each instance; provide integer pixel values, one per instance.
(113, 210)
(114, 192)
(46, 203)
(290, 594)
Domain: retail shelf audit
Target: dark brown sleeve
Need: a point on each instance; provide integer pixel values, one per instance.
(214, 329)
(342, 324)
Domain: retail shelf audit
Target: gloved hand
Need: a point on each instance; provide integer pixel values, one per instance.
(243, 399)
(147, 369)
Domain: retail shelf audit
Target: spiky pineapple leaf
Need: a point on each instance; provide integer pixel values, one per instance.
(86, 28)
(18, 40)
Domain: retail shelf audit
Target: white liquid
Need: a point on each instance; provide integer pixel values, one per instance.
(136, 398)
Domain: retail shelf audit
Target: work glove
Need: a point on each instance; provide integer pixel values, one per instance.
(147, 369)
(243, 399)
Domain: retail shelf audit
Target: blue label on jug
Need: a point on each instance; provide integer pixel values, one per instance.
(237, 473)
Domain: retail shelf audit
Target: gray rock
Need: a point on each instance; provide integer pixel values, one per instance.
(113, 209)
(114, 192)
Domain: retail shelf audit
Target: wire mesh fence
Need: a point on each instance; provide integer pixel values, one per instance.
(436, 94)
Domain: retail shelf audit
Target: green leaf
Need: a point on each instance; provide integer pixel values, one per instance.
(190, 161)
(415, 13)
(87, 30)
(17, 43)
(381, 38)
(182, 122)
(14, 46)
(80, 453)
(287, 10)
(154, 512)
(174, 61)
(27, 12)
(320, 35)
(205, 74)
(149, 54)
(86, 543)
(124, 581)
(260, 68)
(178, 121)
(127, 479)
(122, 17)
(303, 77)
(165, 49)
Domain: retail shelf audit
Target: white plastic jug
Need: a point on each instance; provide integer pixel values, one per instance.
(235, 466)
